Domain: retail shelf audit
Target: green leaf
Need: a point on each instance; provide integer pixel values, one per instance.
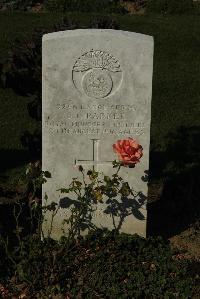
(107, 179)
(52, 206)
(63, 190)
(80, 168)
(89, 172)
(47, 174)
(78, 184)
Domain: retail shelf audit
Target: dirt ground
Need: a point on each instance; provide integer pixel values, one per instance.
(188, 242)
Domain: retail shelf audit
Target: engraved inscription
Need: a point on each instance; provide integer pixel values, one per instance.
(95, 162)
(97, 59)
(68, 105)
(97, 83)
(97, 74)
(95, 119)
(95, 131)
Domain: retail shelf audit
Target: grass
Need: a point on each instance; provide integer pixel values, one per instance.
(14, 117)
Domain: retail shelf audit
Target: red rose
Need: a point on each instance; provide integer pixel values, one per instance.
(129, 151)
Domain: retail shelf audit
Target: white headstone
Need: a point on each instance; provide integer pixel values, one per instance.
(97, 87)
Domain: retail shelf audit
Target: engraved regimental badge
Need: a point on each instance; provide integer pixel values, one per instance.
(97, 74)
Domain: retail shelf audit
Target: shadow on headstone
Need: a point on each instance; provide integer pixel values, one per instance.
(124, 208)
(178, 166)
(86, 220)
(116, 208)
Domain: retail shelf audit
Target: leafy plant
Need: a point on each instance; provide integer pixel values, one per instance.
(19, 4)
(108, 6)
(95, 188)
(103, 264)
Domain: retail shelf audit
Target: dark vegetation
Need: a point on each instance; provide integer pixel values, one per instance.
(23, 5)
(103, 6)
(104, 265)
(106, 6)
(170, 6)
(100, 266)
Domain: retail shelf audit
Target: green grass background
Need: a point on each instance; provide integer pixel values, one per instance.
(176, 77)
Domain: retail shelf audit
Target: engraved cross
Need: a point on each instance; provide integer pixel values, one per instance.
(95, 162)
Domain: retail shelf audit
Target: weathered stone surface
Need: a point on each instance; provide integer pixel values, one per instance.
(97, 88)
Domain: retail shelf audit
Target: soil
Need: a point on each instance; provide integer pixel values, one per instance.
(188, 242)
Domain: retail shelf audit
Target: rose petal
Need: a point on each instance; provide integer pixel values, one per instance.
(125, 158)
(129, 151)
(116, 147)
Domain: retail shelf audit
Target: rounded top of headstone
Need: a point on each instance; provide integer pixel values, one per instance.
(81, 32)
